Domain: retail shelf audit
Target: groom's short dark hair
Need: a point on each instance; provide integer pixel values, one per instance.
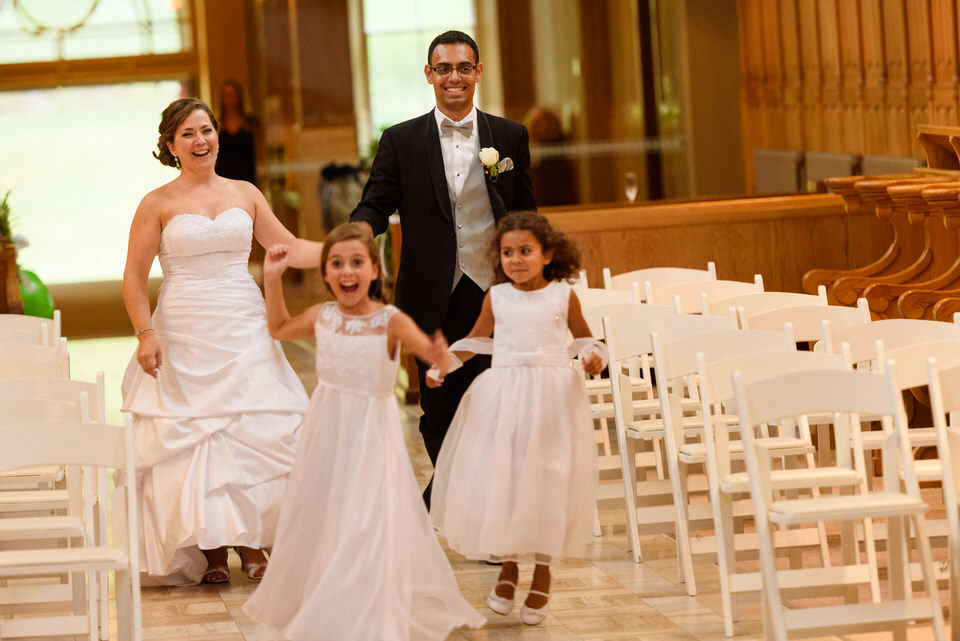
(452, 38)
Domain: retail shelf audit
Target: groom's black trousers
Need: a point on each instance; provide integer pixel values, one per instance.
(440, 404)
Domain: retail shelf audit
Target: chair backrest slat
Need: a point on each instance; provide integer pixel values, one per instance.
(61, 441)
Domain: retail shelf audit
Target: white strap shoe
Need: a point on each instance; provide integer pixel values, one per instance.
(499, 604)
(534, 616)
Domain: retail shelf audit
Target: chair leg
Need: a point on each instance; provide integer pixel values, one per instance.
(954, 594)
(658, 458)
(628, 465)
(929, 581)
(899, 569)
(726, 556)
(684, 553)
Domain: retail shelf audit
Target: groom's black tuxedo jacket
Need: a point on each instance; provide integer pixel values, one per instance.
(408, 177)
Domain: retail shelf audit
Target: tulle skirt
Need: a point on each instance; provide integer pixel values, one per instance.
(516, 475)
(355, 555)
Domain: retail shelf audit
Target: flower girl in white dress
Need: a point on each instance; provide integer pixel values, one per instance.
(355, 557)
(516, 474)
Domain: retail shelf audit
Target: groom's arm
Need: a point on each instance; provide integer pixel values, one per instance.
(381, 194)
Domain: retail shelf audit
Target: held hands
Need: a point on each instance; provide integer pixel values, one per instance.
(148, 353)
(276, 260)
(439, 358)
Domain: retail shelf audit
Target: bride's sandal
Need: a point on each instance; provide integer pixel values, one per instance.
(216, 574)
(254, 570)
(533, 616)
(217, 570)
(499, 604)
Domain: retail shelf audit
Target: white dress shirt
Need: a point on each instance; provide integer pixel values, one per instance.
(458, 150)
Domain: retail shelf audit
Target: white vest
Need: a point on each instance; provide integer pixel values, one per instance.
(475, 227)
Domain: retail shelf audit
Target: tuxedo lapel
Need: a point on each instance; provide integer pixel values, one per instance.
(487, 140)
(435, 162)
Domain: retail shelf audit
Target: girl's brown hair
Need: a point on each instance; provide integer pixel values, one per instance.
(566, 257)
(354, 231)
(171, 119)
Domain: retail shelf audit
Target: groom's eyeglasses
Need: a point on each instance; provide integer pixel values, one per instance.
(463, 69)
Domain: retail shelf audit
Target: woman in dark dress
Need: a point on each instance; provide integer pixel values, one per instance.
(237, 157)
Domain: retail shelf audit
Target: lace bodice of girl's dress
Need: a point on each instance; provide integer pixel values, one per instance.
(530, 327)
(352, 351)
(196, 247)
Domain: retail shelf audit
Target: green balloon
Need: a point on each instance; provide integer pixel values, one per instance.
(37, 300)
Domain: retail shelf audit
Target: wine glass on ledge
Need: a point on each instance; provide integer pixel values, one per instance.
(630, 186)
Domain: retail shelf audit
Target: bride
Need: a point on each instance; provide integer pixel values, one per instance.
(215, 405)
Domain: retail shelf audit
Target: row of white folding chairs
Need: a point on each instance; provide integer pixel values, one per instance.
(842, 315)
(847, 396)
(36, 393)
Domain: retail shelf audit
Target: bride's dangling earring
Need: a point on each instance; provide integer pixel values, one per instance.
(176, 159)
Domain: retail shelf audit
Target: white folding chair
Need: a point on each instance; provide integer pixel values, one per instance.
(945, 402)
(18, 360)
(727, 485)
(688, 298)
(807, 320)
(759, 302)
(847, 394)
(675, 352)
(657, 276)
(82, 443)
(634, 425)
(37, 331)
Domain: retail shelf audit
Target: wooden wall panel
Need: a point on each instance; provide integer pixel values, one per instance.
(899, 136)
(792, 125)
(853, 76)
(875, 139)
(920, 55)
(830, 73)
(810, 56)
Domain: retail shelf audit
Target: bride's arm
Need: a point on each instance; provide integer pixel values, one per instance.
(142, 247)
(269, 231)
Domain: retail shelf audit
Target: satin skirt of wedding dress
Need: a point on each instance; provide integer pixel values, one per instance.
(216, 432)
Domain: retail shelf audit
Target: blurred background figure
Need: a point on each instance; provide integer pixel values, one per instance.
(237, 158)
(552, 171)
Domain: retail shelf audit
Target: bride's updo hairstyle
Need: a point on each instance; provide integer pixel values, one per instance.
(354, 231)
(171, 119)
(565, 263)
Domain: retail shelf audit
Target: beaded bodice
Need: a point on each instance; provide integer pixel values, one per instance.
(352, 351)
(196, 247)
(530, 327)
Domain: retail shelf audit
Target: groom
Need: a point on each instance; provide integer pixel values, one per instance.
(428, 169)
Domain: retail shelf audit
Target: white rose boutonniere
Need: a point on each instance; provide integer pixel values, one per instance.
(490, 159)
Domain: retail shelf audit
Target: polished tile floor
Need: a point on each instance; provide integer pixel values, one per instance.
(605, 597)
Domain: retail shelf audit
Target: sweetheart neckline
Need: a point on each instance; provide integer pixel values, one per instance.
(212, 220)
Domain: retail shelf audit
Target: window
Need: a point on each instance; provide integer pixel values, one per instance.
(398, 33)
(82, 86)
(77, 161)
(45, 30)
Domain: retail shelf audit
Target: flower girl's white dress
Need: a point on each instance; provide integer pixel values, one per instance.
(516, 475)
(355, 556)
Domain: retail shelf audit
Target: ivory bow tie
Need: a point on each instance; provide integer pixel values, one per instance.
(447, 128)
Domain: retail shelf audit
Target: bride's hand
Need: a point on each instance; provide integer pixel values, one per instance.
(148, 353)
(276, 260)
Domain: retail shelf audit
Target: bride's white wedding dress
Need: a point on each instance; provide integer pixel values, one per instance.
(216, 432)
